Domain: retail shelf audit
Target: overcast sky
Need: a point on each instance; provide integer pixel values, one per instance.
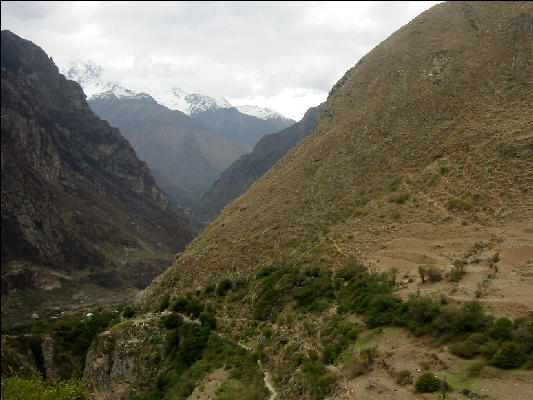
(285, 56)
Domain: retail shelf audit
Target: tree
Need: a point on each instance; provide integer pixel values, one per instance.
(422, 270)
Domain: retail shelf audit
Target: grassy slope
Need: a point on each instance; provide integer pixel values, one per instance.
(424, 145)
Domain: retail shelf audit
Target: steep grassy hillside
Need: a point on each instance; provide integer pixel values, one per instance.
(420, 167)
(432, 127)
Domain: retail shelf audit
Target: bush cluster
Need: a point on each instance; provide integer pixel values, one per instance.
(336, 337)
(36, 388)
(311, 289)
(188, 305)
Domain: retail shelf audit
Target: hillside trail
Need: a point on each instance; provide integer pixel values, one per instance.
(267, 378)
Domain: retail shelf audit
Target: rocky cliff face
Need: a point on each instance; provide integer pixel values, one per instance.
(78, 207)
(240, 175)
(126, 360)
(184, 155)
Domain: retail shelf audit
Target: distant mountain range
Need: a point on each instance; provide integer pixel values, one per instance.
(240, 175)
(185, 155)
(91, 78)
(187, 139)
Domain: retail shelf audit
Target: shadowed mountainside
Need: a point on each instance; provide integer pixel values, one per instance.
(242, 128)
(80, 212)
(240, 175)
(184, 155)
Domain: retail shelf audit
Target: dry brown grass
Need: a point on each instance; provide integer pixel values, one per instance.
(441, 105)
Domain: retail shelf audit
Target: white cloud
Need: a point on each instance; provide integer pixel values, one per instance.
(283, 55)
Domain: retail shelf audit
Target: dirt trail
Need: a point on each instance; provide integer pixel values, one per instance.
(268, 382)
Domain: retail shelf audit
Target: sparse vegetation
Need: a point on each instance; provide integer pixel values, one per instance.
(458, 272)
(422, 271)
(404, 378)
(434, 274)
(459, 204)
(399, 199)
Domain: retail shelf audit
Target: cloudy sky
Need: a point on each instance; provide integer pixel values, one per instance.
(285, 56)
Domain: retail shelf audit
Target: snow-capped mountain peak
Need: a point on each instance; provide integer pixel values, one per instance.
(91, 78)
(189, 103)
(260, 112)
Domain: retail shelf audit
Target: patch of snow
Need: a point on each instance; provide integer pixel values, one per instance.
(260, 112)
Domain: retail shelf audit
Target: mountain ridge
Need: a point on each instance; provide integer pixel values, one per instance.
(240, 175)
(184, 154)
(91, 77)
(73, 194)
(423, 146)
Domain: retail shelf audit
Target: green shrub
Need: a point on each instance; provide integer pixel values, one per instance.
(457, 274)
(478, 338)
(265, 271)
(129, 311)
(172, 321)
(297, 360)
(349, 272)
(489, 349)
(384, 309)
(465, 349)
(316, 293)
(368, 355)
(165, 302)
(404, 377)
(318, 378)
(223, 287)
(337, 336)
(194, 339)
(427, 382)
(209, 288)
(421, 311)
(470, 318)
(508, 356)
(501, 330)
(360, 291)
(189, 306)
(208, 321)
(422, 271)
